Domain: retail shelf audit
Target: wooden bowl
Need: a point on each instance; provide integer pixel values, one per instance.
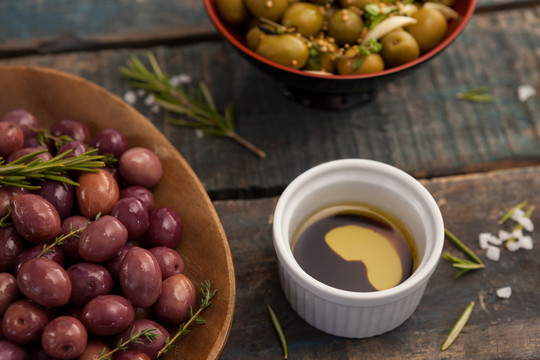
(51, 96)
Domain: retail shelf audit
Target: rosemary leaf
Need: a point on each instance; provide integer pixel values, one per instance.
(469, 266)
(460, 324)
(510, 212)
(196, 104)
(478, 95)
(462, 246)
(279, 331)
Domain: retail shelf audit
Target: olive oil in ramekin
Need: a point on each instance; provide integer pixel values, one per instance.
(355, 247)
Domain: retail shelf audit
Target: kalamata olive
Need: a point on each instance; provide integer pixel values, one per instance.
(11, 138)
(354, 64)
(72, 128)
(169, 260)
(114, 264)
(287, 50)
(164, 227)
(24, 119)
(11, 351)
(44, 282)
(35, 218)
(75, 147)
(345, 26)
(60, 195)
(45, 156)
(177, 296)
(11, 246)
(94, 349)
(150, 348)
(140, 166)
(399, 47)
(268, 9)
(132, 355)
(70, 244)
(23, 322)
(6, 193)
(102, 239)
(55, 254)
(141, 193)
(107, 315)
(9, 292)
(64, 338)
(133, 214)
(88, 281)
(232, 11)
(429, 28)
(97, 193)
(110, 141)
(306, 18)
(140, 277)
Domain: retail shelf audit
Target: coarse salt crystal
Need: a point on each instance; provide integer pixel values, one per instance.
(525, 242)
(504, 235)
(199, 134)
(483, 239)
(517, 213)
(180, 79)
(513, 246)
(517, 233)
(493, 240)
(149, 100)
(525, 92)
(141, 92)
(493, 253)
(526, 223)
(154, 109)
(504, 292)
(130, 97)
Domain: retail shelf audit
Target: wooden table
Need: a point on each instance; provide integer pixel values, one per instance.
(477, 159)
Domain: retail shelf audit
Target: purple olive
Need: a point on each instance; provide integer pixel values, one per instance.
(107, 315)
(169, 260)
(60, 195)
(44, 282)
(140, 277)
(11, 351)
(133, 214)
(55, 254)
(64, 337)
(11, 246)
(102, 239)
(72, 128)
(164, 227)
(150, 348)
(35, 218)
(23, 322)
(176, 299)
(26, 121)
(9, 292)
(141, 193)
(88, 281)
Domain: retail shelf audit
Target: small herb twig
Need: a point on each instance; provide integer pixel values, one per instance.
(510, 212)
(458, 327)
(21, 174)
(4, 220)
(207, 295)
(462, 246)
(196, 104)
(59, 241)
(137, 338)
(478, 94)
(279, 331)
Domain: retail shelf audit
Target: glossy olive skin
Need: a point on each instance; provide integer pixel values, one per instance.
(253, 38)
(324, 58)
(93, 350)
(64, 338)
(140, 277)
(233, 11)
(35, 218)
(177, 297)
(306, 18)
(23, 322)
(352, 66)
(269, 9)
(102, 239)
(9, 292)
(97, 192)
(287, 50)
(150, 348)
(399, 47)
(429, 29)
(11, 246)
(345, 26)
(107, 315)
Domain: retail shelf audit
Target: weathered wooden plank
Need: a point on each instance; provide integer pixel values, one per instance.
(497, 328)
(415, 123)
(34, 26)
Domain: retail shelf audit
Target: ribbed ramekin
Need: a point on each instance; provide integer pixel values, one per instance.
(347, 313)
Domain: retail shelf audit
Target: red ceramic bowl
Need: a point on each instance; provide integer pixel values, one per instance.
(334, 90)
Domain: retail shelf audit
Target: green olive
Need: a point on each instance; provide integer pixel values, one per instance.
(345, 26)
(232, 11)
(353, 64)
(306, 18)
(361, 4)
(429, 29)
(253, 37)
(399, 47)
(269, 9)
(287, 50)
(322, 56)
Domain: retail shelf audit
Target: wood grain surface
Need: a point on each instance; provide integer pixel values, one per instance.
(471, 204)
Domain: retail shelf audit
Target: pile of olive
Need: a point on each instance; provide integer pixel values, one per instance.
(119, 274)
(331, 36)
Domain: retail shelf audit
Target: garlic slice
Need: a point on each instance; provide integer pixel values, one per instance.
(388, 25)
(447, 11)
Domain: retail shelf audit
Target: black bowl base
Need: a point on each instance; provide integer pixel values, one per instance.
(325, 101)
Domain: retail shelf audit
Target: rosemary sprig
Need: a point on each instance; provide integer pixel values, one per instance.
(460, 324)
(148, 334)
(17, 173)
(463, 264)
(59, 241)
(478, 94)
(279, 331)
(207, 295)
(198, 105)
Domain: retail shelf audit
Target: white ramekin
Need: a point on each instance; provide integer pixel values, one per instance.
(347, 313)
